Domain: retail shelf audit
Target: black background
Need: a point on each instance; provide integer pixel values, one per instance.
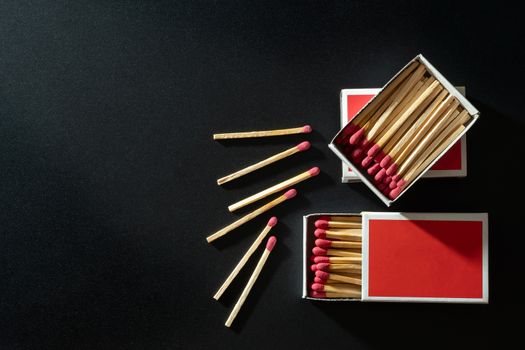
(108, 167)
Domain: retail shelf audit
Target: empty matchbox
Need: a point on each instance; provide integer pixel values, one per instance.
(415, 119)
(405, 257)
(452, 164)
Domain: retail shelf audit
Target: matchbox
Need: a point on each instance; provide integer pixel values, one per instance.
(452, 164)
(406, 257)
(404, 130)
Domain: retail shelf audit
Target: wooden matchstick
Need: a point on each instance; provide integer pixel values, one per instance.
(303, 146)
(338, 259)
(354, 268)
(325, 243)
(269, 246)
(335, 277)
(335, 288)
(265, 133)
(288, 195)
(344, 235)
(349, 218)
(351, 295)
(274, 189)
(271, 223)
(324, 224)
(335, 252)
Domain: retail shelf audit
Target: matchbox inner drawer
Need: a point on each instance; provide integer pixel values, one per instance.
(409, 161)
(414, 257)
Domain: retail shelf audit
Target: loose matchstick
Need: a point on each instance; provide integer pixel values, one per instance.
(336, 277)
(271, 223)
(303, 146)
(344, 235)
(288, 195)
(325, 243)
(269, 246)
(324, 224)
(334, 252)
(274, 189)
(265, 133)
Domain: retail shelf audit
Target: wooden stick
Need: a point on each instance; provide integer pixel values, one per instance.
(245, 258)
(274, 189)
(355, 268)
(265, 133)
(336, 224)
(336, 288)
(299, 148)
(339, 278)
(288, 195)
(353, 218)
(335, 252)
(344, 235)
(351, 294)
(338, 259)
(269, 246)
(323, 243)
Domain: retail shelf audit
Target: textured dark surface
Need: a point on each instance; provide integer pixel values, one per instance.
(108, 167)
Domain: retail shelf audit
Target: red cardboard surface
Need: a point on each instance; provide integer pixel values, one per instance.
(425, 258)
(450, 161)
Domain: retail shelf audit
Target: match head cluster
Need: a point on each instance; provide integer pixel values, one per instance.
(336, 257)
(409, 124)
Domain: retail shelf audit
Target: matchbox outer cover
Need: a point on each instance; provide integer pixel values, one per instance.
(472, 111)
(452, 164)
(422, 257)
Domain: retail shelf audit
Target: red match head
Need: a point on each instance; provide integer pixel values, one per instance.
(316, 294)
(320, 233)
(318, 280)
(367, 161)
(379, 156)
(321, 224)
(322, 266)
(307, 129)
(401, 183)
(322, 274)
(395, 192)
(380, 175)
(385, 161)
(272, 222)
(387, 180)
(290, 193)
(318, 287)
(323, 243)
(313, 267)
(381, 186)
(312, 258)
(354, 139)
(358, 152)
(321, 259)
(392, 185)
(303, 146)
(271, 243)
(314, 171)
(396, 178)
(319, 251)
(391, 169)
(373, 150)
(373, 169)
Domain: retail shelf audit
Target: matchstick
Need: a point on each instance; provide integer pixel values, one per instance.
(340, 278)
(337, 224)
(349, 218)
(337, 259)
(274, 189)
(344, 235)
(335, 288)
(303, 146)
(351, 294)
(271, 223)
(269, 246)
(325, 244)
(335, 252)
(288, 195)
(265, 133)
(354, 268)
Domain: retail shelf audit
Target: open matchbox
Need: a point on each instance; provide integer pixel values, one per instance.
(452, 164)
(415, 257)
(339, 142)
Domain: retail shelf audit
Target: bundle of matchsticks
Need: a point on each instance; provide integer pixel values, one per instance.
(336, 258)
(403, 129)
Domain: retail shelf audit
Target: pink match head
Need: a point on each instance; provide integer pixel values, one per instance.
(367, 161)
(307, 129)
(396, 177)
(314, 171)
(321, 224)
(312, 258)
(387, 179)
(354, 139)
(395, 192)
(313, 267)
(365, 143)
(316, 294)
(401, 183)
(323, 266)
(381, 186)
(321, 259)
(323, 243)
(318, 287)
(358, 152)
(391, 169)
(379, 156)
(373, 169)
(380, 175)
(392, 185)
(272, 222)
(322, 274)
(318, 280)
(290, 193)
(303, 146)
(319, 251)
(385, 161)
(320, 233)
(351, 128)
(373, 150)
(271, 243)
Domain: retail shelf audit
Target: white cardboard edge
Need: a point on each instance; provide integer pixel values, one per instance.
(483, 217)
(474, 113)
